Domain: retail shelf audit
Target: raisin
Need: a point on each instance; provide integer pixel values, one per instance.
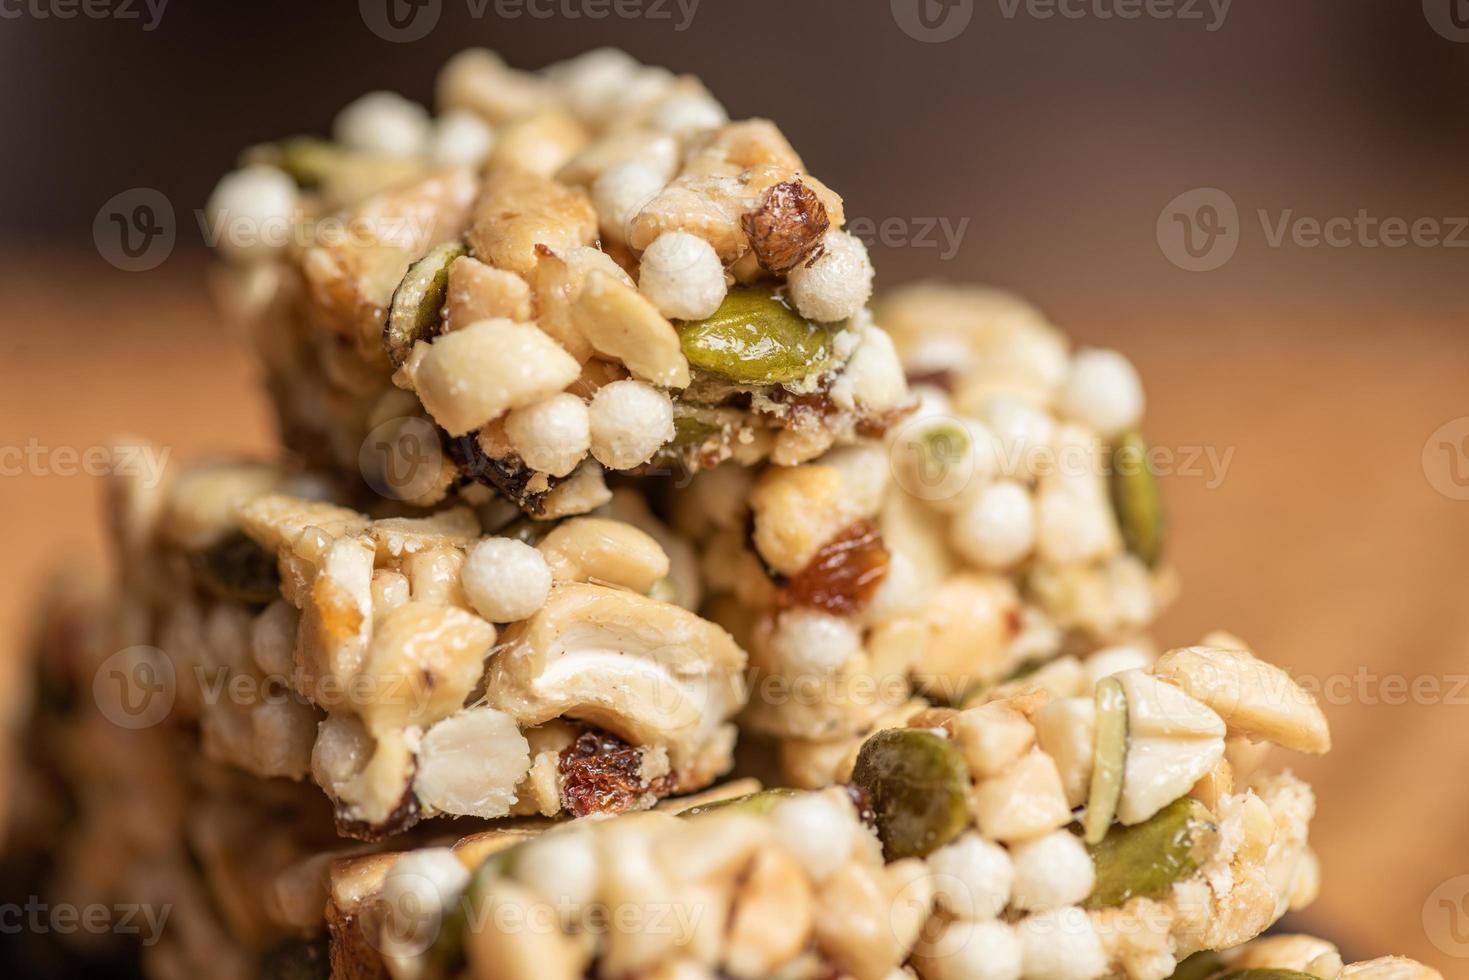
(843, 575)
(600, 773)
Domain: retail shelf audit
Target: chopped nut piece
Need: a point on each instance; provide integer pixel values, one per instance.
(787, 229)
(519, 210)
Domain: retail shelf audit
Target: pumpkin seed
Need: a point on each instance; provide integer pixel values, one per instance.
(1135, 498)
(417, 310)
(1146, 859)
(755, 338)
(918, 784)
(1108, 759)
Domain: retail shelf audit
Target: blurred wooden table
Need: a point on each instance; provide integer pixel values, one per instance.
(1325, 543)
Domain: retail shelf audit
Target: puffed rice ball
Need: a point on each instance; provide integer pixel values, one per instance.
(681, 113)
(818, 830)
(505, 580)
(622, 191)
(553, 435)
(461, 138)
(1073, 526)
(629, 421)
(383, 122)
(1103, 391)
(643, 88)
(1023, 433)
(1050, 872)
(682, 276)
(812, 643)
(838, 285)
(1060, 944)
(419, 886)
(563, 867)
(964, 950)
(593, 81)
(998, 527)
(971, 877)
(251, 211)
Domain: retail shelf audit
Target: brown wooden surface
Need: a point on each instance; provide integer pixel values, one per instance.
(1325, 544)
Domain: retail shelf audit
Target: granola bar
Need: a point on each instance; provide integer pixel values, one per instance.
(419, 666)
(552, 285)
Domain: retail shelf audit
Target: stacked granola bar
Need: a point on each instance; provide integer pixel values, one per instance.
(598, 463)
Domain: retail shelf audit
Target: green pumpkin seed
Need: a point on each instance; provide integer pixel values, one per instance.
(755, 338)
(1200, 966)
(307, 159)
(237, 569)
(417, 309)
(1135, 498)
(447, 951)
(1146, 859)
(1108, 759)
(757, 804)
(918, 784)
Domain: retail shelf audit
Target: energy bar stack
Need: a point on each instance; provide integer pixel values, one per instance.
(598, 462)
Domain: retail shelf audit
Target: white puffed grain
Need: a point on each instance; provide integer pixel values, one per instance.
(997, 529)
(1103, 391)
(689, 111)
(630, 420)
(620, 192)
(1050, 872)
(808, 642)
(838, 284)
(383, 122)
(818, 829)
(971, 877)
(682, 276)
(506, 580)
(1060, 944)
(251, 211)
(552, 435)
(966, 950)
(461, 138)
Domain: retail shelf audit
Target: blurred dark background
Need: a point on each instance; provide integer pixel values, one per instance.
(1058, 139)
(1048, 149)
